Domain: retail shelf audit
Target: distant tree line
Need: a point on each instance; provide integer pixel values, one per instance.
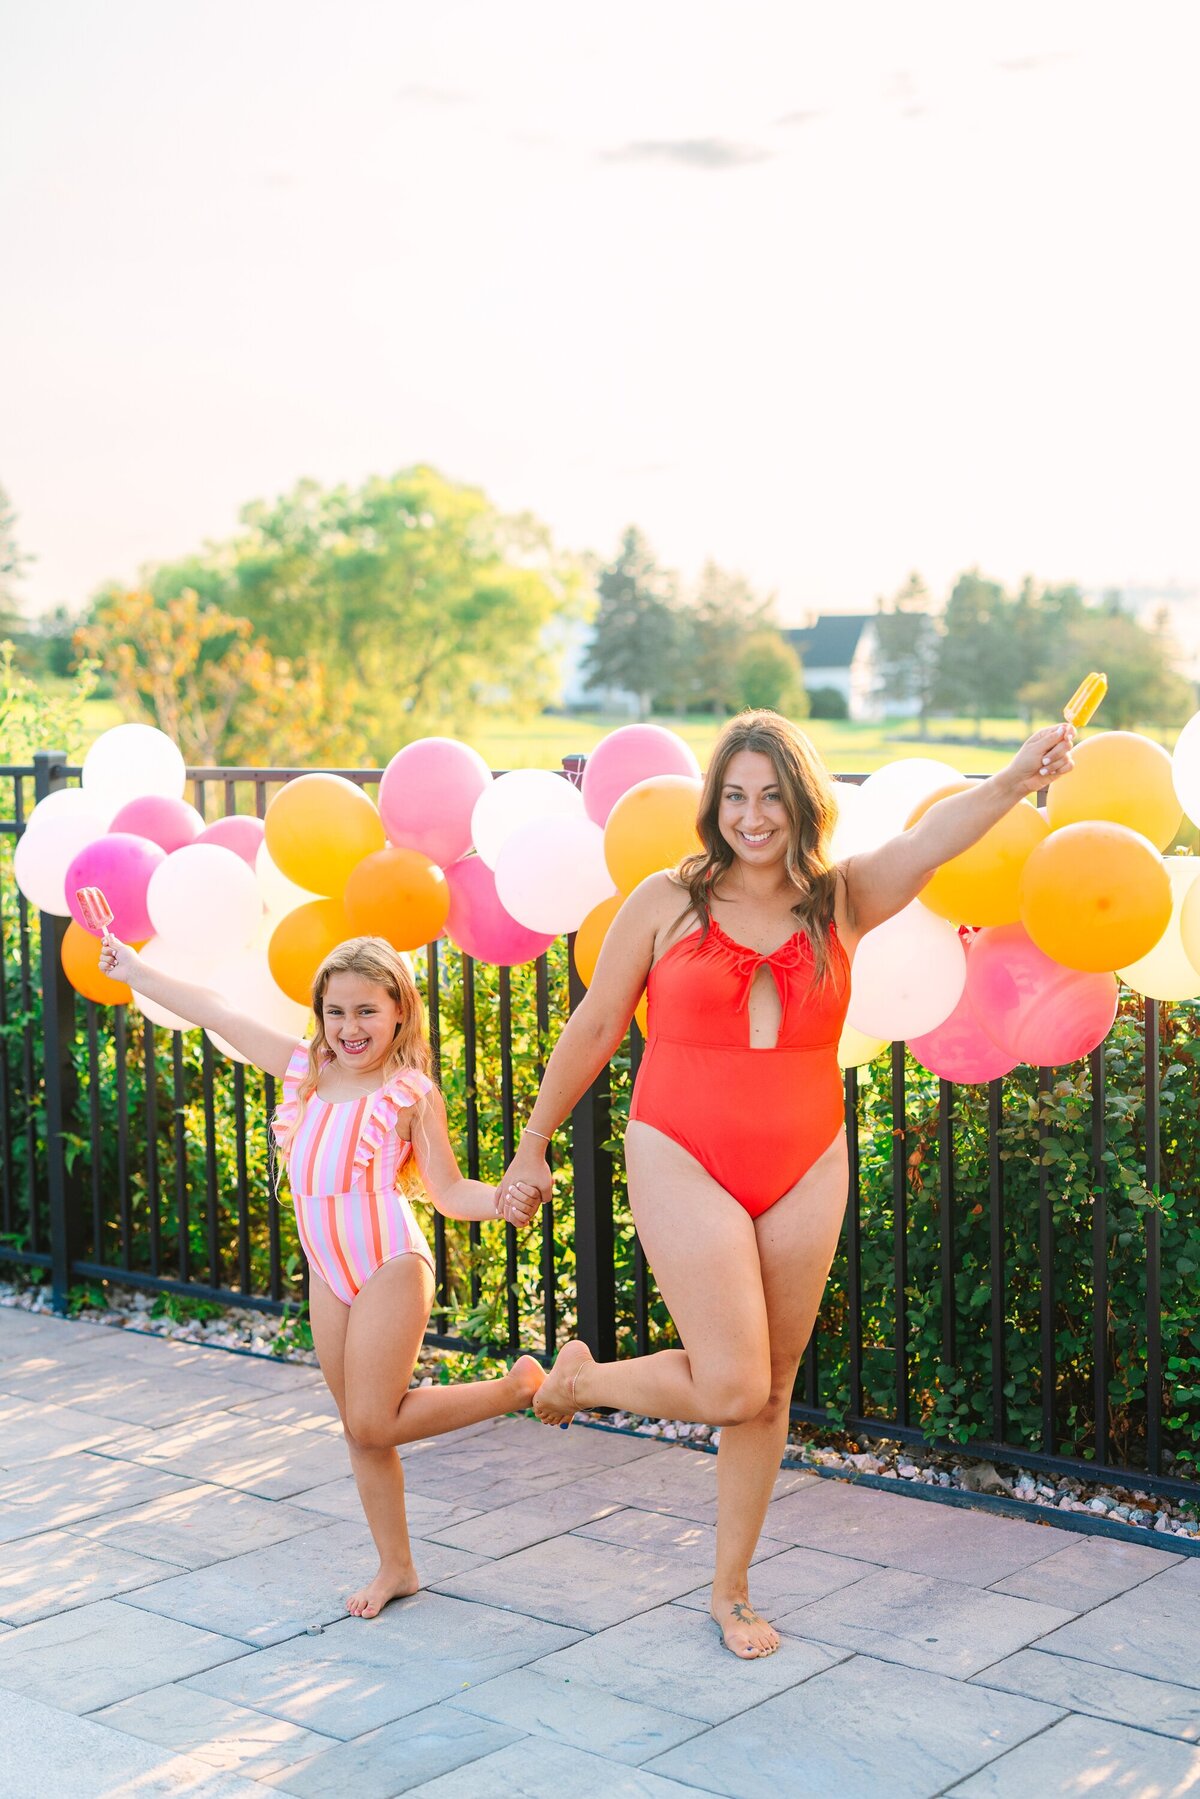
(990, 653)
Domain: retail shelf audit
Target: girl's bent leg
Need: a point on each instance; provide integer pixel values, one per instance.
(796, 1240)
(383, 1339)
(377, 1472)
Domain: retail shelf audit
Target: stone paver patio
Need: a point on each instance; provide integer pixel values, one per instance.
(178, 1530)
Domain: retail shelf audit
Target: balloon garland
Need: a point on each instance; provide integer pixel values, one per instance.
(1012, 953)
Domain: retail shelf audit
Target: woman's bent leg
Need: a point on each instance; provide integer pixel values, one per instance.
(702, 1248)
(796, 1241)
(377, 1472)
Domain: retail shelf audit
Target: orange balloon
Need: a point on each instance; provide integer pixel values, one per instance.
(642, 1013)
(1123, 777)
(653, 826)
(319, 828)
(591, 934)
(398, 894)
(1095, 896)
(982, 885)
(301, 941)
(81, 964)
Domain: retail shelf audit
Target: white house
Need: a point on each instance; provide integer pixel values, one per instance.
(841, 650)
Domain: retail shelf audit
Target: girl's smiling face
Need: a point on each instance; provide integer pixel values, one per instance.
(360, 1020)
(752, 817)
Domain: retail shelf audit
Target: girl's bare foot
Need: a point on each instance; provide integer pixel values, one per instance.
(389, 1583)
(743, 1631)
(555, 1402)
(526, 1377)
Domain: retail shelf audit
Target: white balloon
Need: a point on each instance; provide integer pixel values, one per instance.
(517, 799)
(1167, 971)
(889, 795)
(70, 802)
(908, 975)
(551, 872)
(246, 982)
(279, 895)
(1186, 768)
(858, 828)
(130, 760)
(42, 858)
(206, 896)
(181, 964)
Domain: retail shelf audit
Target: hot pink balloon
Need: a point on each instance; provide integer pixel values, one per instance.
(121, 865)
(168, 822)
(959, 1049)
(241, 835)
(1034, 1008)
(626, 756)
(478, 922)
(427, 795)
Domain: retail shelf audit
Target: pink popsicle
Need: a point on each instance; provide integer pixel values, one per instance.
(95, 908)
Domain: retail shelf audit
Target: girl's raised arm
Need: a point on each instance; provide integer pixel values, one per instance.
(268, 1049)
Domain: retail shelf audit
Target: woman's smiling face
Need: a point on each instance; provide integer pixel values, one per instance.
(752, 817)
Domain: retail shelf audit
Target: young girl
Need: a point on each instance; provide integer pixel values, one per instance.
(357, 1105)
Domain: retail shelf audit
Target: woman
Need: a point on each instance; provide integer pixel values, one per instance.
(736, 1146)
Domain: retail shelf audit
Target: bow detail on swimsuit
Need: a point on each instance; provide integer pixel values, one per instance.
(794, 954)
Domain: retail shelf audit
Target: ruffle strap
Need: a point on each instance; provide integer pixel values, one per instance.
(405, 1088)
(287, 1111)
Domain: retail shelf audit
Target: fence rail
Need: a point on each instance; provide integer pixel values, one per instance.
(141, 1156)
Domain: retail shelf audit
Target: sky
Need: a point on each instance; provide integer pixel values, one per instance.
(825, 293)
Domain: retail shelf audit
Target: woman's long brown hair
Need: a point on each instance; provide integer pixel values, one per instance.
(807, 794)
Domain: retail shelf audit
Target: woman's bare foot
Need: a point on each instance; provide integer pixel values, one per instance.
(389, 1583)
(555, 1402)
(526, 1377)
(743, 1631)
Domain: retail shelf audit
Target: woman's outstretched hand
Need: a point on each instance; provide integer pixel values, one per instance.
(1043, 758)
(117, 960)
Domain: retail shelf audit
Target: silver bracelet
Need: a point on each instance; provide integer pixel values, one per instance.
(530, 1132)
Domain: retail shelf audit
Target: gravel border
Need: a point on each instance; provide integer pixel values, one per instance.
(874, 1460)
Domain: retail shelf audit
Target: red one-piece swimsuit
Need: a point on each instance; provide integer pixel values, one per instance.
(755, 1119)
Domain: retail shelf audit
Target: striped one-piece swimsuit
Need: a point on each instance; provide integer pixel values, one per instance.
(342, 1164)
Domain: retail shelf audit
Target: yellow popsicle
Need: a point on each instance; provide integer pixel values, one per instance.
(1086, 697)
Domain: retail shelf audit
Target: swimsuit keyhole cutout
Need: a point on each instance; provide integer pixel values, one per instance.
(765, 1008)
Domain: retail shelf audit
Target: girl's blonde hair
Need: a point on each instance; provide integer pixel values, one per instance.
(808, 800)
(375, 960)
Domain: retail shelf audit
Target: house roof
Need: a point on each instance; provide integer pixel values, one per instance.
(831, 641)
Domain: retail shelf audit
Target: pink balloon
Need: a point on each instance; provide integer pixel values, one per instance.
(626, 756)
(168, 822)
(241, 835)
(478, 922)
(427, 795)
(959, 1049)
(1034, 1008)
(121, 865)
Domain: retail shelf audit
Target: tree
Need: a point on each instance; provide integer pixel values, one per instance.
(978, 667)
(720, 617)
(1144, 687)
(768, 673)
(195, 672)
(414, 591)
(12, 562)
(907, 637)
(636, 633)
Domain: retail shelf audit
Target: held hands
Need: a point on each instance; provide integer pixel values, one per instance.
(517, 1202)
(1042, 759)
(117, 960)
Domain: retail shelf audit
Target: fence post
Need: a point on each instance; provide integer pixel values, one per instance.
(595, 1273)
(59, 1089)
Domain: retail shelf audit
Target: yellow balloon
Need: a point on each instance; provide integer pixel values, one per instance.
(1095, 896)
(982, 885)
(301, 941)
(855, 1048)
(1172, 968)
(1124, 778)
(653, 826)
(318, 829)
(591, 935)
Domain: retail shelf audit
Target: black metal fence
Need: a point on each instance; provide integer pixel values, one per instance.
(978, 1292)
